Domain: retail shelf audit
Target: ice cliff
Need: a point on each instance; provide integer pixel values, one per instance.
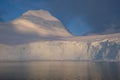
(37, 35)
(62, 50)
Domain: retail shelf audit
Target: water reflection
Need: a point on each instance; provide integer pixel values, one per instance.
(59, 70)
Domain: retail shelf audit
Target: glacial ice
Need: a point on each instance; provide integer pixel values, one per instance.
(61, 50)
(37, 35)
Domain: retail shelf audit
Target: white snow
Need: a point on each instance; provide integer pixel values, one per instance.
(37, 35)
(61, 50)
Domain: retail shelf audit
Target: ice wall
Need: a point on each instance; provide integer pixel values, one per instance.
(61, 50)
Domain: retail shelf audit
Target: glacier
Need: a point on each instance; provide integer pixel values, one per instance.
(61, 50)
(37, 35)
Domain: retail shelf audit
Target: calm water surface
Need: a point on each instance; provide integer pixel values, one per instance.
(60, 70)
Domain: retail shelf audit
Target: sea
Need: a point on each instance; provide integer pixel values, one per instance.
(59, 70)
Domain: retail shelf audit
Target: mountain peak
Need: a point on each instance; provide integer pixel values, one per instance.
(40, 22)
(33, 25)
(41, 13)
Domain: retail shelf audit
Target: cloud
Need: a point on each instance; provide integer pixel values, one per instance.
(95, 14)
(112, 28)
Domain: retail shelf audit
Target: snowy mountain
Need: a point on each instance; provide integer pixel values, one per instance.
(32, 26)
(37, 35)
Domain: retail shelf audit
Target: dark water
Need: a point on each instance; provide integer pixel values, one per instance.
(59, 70)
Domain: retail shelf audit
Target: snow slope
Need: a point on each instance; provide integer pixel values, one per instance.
(37, 35)
(32, 26)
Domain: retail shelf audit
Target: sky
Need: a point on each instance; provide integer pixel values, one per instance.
(80, 17)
